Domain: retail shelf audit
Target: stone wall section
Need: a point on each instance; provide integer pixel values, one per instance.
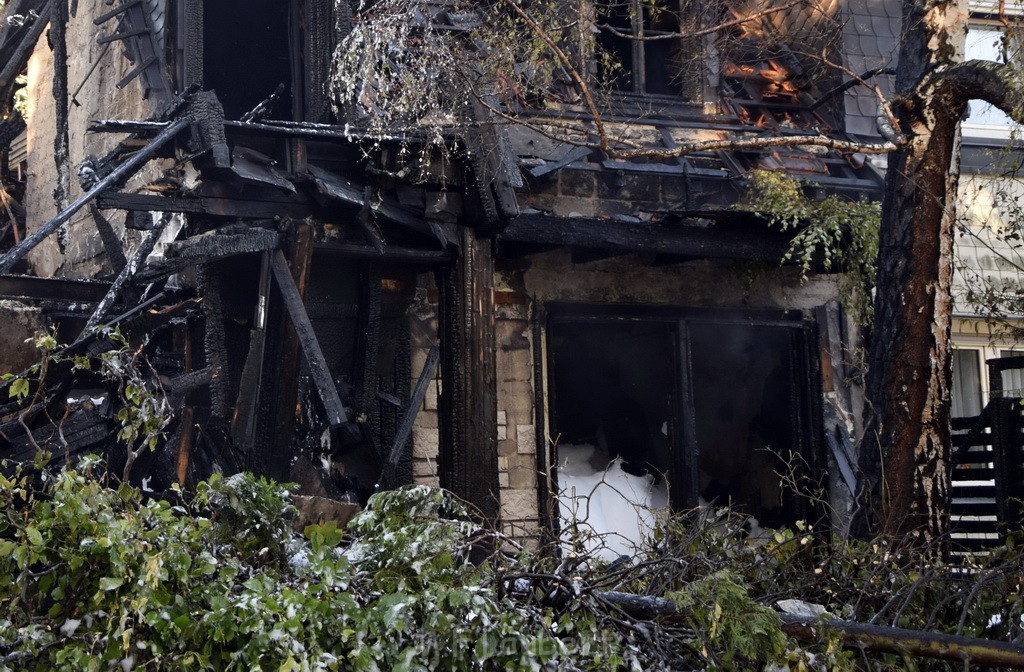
(99, 98)
(517, 443)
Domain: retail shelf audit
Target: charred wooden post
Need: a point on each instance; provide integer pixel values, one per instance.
(111, 242)
(468, 457)
(61, 153)
(243, 423)
(368, 350)
(271, 451)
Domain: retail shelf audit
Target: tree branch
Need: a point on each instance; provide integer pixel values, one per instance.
(985, 80)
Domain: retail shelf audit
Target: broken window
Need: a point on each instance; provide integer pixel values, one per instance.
(700, 407)
(639, 46)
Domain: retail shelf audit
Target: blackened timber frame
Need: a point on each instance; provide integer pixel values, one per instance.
(468, 451)
(803, 379)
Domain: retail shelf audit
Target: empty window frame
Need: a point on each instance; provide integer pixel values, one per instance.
(639, 48)
(722, 409)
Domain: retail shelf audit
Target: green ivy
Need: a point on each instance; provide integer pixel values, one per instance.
(838, 234)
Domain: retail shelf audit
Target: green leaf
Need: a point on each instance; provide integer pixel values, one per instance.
(108, 583)
(18, 388)
(34, 536)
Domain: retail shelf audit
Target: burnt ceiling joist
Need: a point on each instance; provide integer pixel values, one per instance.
(626, 237)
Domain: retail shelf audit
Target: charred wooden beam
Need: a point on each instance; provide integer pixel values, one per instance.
(573, 155)
(392, 253)
(206, 205)
(122, 172)
(111, 242)
(263, 107)
(692, 241)
(468, 456)
(126, 275)
(60, 289)
(220, 245)
(318, 368)
(181, 386)
(341, 189)
(412, 407)
(270, 452)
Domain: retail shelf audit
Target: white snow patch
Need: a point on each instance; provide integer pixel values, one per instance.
(610, 511)
(70, 626)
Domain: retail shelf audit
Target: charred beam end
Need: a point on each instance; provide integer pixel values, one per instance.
(690, 241)
(125, 276)
(318, 368)
(122, 172)
(208, 113)
(210, 246)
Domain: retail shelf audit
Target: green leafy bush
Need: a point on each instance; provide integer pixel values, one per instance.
(833, 232)
(92, 576)
(95, 578)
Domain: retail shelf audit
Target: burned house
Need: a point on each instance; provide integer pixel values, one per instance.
(314, 303)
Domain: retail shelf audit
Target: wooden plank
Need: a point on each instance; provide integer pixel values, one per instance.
(318, 368)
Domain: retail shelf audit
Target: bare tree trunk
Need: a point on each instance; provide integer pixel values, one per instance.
(906, 457)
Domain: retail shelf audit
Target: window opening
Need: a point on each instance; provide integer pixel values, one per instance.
(966, 393)
(614, 387)
(247, 54)
(689, 409)
(747, 416)
(985, 40)
(1013, 379)
(640, 56)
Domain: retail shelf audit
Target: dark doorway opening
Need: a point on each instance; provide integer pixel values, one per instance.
(247, 53)
(614, 388)
(747, 416)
